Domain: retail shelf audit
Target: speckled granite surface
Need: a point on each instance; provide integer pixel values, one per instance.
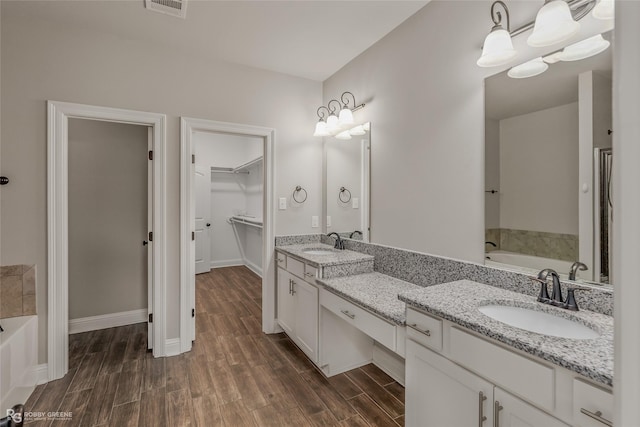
(375, 292)
(338, 263)
(298, 239)
(459, 302)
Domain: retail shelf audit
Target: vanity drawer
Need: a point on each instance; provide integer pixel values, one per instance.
(295, 267)
(589, 404)
(424, 329)
(531, 380)
(281, 260)
(372, 325)
(310, 272)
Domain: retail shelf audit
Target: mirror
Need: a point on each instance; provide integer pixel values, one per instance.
(347, 185)
(548, 168)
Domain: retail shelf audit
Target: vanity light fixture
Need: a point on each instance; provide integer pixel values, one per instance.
(357, 131)
(584, 49)
(341, 126)
(528, 69)
(605, 9)
(321, 126)
(498, 48)
(343, 135)
(554, 24)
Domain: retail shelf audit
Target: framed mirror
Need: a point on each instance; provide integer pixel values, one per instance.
(347, 185)
(548, 162)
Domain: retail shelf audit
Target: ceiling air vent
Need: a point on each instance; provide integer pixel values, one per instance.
(168, 7)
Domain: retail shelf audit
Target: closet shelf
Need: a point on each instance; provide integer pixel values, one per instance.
(244, 168)
(246, 220)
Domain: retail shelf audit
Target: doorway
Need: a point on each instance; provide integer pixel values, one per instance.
(59, 114)
(190, 129)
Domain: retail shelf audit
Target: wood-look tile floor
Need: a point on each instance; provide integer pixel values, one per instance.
(234, 376)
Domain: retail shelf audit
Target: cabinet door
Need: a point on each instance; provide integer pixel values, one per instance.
(440, 393)
(306, 317)
(513, 412)
(285, 301)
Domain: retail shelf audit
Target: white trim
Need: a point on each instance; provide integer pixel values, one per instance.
(172, 347)
(104, 321)
(253, 267)
(389, 362)
(58, 217)
(40, 374)
(226, 263)
(187, 248)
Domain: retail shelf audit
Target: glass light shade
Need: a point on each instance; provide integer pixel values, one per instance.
(321, 129)
(343, 135)
(332, 123)
(584, 49)
(497, 49)
(553, 58)
(346, 117)
(554, 24)
(357, 131)
(605, 9)
(367, 126)
(528, 69)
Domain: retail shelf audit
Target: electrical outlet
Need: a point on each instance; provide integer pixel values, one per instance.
(282, 205)
(328, 221)
(355, 203)
(315, 221)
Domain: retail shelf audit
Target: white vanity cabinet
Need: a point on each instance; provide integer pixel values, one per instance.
(455, 377)
(297, 304)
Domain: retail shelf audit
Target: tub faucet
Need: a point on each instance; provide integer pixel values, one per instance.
(339, 243)
(491, 243)
(575, 267)
(1, 330)
(354, 233)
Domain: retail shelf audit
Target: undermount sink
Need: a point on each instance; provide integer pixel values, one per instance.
(539, 322)
(314, 251)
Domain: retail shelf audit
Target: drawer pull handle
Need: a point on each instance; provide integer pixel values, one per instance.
(481, 417)
(497, 407)
(414, 326)
(293, 287)
(349, 315)
(309, 274)
(596, 416)
(290, 286)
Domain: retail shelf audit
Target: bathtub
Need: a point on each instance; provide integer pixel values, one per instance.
(505, 259)
(18, 360)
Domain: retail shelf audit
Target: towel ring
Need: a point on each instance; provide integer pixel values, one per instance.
(298, 190)
(342, 191)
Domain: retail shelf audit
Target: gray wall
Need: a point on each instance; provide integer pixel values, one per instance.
(107, 217)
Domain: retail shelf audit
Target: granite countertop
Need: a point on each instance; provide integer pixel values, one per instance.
(337, 257)
(459, 302)
(375, 292)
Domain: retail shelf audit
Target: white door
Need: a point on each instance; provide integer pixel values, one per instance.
(148, 243)
(203, 214)
(306, 302)
(285, 301)
(440, 393)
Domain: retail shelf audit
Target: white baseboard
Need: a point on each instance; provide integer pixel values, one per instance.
(389, 362)
(172, 347)
(104, 321)
(226, 263)
(40, 374)
(253, 267)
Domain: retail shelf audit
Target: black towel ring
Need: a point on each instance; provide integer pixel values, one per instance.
(298, 190)
(342, 191)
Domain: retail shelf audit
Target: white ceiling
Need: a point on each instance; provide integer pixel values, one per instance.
(309, 39)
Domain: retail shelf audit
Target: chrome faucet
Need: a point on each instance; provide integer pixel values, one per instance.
(339, 243)
(556, 293)
(575, 267)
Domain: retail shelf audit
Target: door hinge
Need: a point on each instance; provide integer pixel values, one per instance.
(150, 155)
(151, 236)
(193, 235)
(193, 158)
(193, 312)
(150, 317)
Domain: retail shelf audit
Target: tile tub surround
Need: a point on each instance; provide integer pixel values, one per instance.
(339, 263)
(17, 290)
(537, 243)
(459, 302)
(375, 292)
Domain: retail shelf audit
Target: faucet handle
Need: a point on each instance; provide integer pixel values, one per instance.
(543, 296)
(571, 303)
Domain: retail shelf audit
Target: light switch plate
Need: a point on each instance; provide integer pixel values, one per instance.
(282, 205)
(328, 221)
(355, 203)
(315, 221)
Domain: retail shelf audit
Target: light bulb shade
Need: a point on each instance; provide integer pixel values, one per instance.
(357, 131)
(332, 123)
(321, 129)
(343, 135)
(554, 24)
(497, 49)
(553, 58)
(584, 49)
(528, 69)
(346, 117)
(367, 126)
(605, 9)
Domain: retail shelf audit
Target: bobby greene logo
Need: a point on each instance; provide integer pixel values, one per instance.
(16, 417)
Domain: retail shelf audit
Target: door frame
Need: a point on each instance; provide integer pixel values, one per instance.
(59, 114)
(187, 224)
